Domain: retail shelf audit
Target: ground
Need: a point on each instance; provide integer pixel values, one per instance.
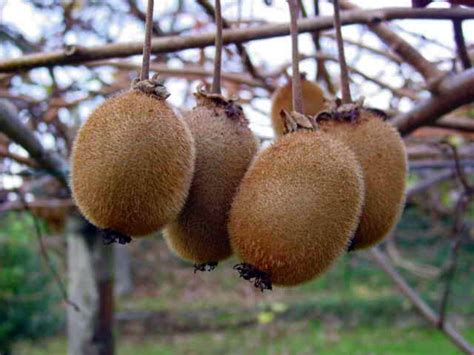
(353, 309)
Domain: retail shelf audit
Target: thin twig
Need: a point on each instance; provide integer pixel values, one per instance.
(304, 13)
(345, 88)
(458, 227)
(468, 189)
(321, 70)
(461, 44)
(216, 81)
(424, 309)
(44, 253)
(243, 53)
(145, 72)
(401, 47)
(296, 82)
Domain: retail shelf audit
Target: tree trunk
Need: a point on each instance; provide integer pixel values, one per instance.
(90, 267)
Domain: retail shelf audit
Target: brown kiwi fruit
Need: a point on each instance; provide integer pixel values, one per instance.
(225, 147)
(313, 102)
(297, 207)
(381, 153)
(132, 163)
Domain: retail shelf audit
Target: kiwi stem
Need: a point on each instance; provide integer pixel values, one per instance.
(145, 72)
(296, 81)
(345, 88)
(216, 81)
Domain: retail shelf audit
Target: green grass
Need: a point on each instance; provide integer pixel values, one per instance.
(306, 337)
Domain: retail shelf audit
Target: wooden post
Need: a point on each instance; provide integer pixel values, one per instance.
(91, 284)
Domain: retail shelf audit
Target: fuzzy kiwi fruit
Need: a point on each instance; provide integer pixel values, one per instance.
(381, 153)
(132, 163)
(313, 102)
(225, 147)
(297, 207)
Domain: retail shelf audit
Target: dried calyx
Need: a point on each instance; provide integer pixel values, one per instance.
(294, 121)
(209, 266)
(231, 108)
(153, 86)
(110, 236)
(260, 279)
(347, 113)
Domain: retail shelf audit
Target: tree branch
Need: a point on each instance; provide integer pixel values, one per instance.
(453, 91)
(188, 72)
(13, 128)
(77, 54)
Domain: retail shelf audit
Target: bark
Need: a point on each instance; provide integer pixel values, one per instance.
(19, 133)
(453, 92)
(78, 54)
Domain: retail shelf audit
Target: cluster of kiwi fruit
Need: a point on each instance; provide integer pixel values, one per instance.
(137, 167)
(334, 179)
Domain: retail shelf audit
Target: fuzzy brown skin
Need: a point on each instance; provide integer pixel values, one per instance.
(132, 164)
(313, 102)
(381, 153)
(225, 147)
(297, 207)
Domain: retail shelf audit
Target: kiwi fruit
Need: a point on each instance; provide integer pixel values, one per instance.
(297, 206)
(380, 151)
(132, 162)
(313, 102)
(225, 147)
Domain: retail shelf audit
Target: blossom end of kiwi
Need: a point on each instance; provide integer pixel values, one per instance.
(261, 279)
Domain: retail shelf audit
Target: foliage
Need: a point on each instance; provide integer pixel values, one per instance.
(27, 298)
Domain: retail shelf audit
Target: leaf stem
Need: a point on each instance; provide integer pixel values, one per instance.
(145, 72)
(345, 88)
(296, 81)
(216, 81)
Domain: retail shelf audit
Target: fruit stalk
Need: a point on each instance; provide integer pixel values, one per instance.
(296, 82)
(345, 88)
(145, 72)
(216, 81)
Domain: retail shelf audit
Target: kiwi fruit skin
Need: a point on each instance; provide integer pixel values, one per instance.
(297, 207)
(313, 102)
(381, 153)
(132, 164)
(225, 147)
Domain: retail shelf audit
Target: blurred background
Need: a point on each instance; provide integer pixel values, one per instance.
(141, 299)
